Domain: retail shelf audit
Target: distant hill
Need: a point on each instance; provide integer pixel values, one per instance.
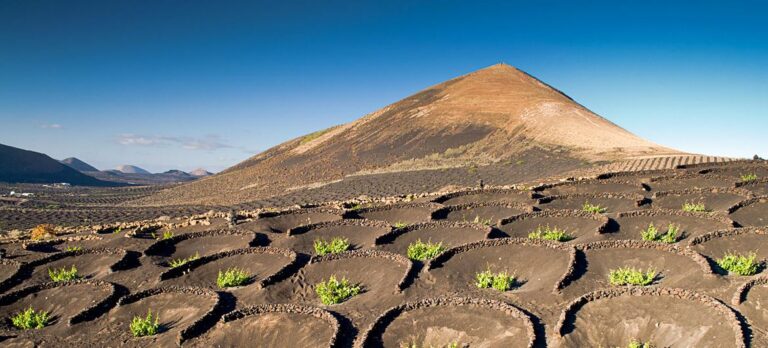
(179, 174)
(129, 169)
(494, 115)
(24, 166)
(200, 172)
(78, 165)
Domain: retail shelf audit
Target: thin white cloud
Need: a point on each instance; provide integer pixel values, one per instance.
(51, 126)
(207, 143)
(133, 139)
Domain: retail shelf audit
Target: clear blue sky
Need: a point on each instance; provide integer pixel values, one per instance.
(183, 84)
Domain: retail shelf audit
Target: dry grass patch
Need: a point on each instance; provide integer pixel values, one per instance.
(42, 231)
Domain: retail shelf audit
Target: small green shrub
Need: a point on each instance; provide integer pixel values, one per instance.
(400, 224)
(335, 246)
(30, 319)
(748, 177)
(183, 261)
(480, 221)
(421, 251)
(167, 235)
(744, 265)
(638, 344)
(632, 276)
(694, 207)
(593, 208)
(147, 326)
(652, 234)
(334, 291)
(501, 281)
(232, 277)
(63, 274)
(548, 233)
(74, 248)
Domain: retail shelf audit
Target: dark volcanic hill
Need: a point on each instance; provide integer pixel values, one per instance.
(78, 165)
(138, 178)
(489, 116)
(23, 166)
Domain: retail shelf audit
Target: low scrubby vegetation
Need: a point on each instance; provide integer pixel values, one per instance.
(748, 177)
(232, 277)
(593, 208)
(335, 246)
(694, 207)
(480, 221)
(74, 248)
(145, 326)
(638, 344)
(632, 276)
(183, 261)
(501, 281)
(167, 235)
(550, 233)
(42, 231)
(30, 319)
(744, 265)
(653, 234)
(63, 274)
(421, 251)
(400, 225)
(334, 291)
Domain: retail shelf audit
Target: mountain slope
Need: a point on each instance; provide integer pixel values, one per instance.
(200, 172)
(24, 166)
(78, 165)
(491, 115)
(129, 169)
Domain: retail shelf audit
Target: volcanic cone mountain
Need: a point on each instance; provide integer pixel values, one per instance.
(492, 115)
(24, 166)
(78, 165)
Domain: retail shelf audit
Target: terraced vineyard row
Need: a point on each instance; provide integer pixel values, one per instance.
(495, 267)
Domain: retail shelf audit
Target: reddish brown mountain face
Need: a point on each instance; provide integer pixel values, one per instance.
(484, 117)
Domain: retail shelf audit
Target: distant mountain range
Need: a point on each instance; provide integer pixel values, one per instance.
(130, 174)
(24, 166)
